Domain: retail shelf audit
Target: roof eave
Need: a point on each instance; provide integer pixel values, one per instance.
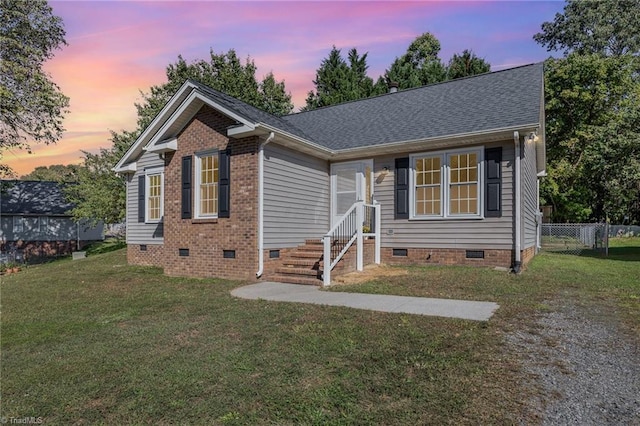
(283, 138)
(126, 168)
(446, 141)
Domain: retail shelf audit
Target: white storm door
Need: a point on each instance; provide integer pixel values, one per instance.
(350, 182)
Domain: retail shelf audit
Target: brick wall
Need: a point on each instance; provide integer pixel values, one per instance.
(206, 239)
(270, 265)
(527, 254)
(33, 250)
(145, 254)
(501, 258)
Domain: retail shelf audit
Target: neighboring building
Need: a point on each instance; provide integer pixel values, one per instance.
(218, 188)
(34, 220)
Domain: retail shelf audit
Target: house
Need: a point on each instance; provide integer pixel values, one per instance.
(442, 174)
(34, 221)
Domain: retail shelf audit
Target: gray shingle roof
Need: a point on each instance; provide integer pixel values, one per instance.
(479, 103)
(39, 198)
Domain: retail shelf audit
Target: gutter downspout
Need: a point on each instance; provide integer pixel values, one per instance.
(517, 264)
(261, 204)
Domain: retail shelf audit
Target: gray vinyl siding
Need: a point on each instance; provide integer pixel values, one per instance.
(529, 194)
(489, 233)
(137, 232)
(57, 229)
(296, 197)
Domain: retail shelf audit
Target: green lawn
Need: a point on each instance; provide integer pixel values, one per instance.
(98, 341)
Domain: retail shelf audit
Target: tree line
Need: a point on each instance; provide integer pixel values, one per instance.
(592, 97)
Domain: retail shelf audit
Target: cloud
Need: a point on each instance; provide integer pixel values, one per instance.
(116, 49)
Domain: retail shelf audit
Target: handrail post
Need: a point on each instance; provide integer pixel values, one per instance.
(359, 246)
(378, 225)
(326, 257)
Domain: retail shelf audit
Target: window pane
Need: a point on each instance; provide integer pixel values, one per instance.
(473, 175)
(209, 174)
(346, 180)
(427, 186)
(344, 201)
(463, 183)
(154, 197)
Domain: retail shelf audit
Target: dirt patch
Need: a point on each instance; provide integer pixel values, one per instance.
(371, 272)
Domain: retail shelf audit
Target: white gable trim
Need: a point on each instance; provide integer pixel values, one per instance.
(135, 150)
(171, 120)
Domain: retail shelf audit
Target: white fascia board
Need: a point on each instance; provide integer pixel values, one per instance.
(136, 148)
(127, 168)
(240, 131)
(460, 139)
(541, 143)
(163, 146)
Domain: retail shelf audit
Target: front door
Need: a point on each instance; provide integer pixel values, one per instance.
(350, 182)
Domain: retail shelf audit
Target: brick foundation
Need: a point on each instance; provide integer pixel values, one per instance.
(528, 254)
(500, 258)
(32, 250)
(152, 256)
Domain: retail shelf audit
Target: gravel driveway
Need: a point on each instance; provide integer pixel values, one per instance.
(587, 369)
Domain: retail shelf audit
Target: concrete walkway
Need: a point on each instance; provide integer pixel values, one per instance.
(280, 292)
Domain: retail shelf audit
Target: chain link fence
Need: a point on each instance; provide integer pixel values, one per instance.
(574, 238)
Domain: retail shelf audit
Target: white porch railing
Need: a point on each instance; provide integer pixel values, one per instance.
(361, 220)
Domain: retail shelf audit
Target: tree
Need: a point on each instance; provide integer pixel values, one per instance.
(100, 194)
(607, 27)
(420, 65)
(466, 64)
(32, 106)
(593, 123)
(338, 81)
(56, 172)
(224, 72)
(593, 103)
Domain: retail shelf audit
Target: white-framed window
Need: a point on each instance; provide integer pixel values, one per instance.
(446, 184)
(206, 184)
(154, 194)
(18, 224)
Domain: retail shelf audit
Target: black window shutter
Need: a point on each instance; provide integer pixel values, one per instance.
(493, 182)
(224, 184)
(141, 196)
(187, 177)
(402, 188)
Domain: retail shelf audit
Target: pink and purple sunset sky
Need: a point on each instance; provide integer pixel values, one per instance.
(118, 48)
